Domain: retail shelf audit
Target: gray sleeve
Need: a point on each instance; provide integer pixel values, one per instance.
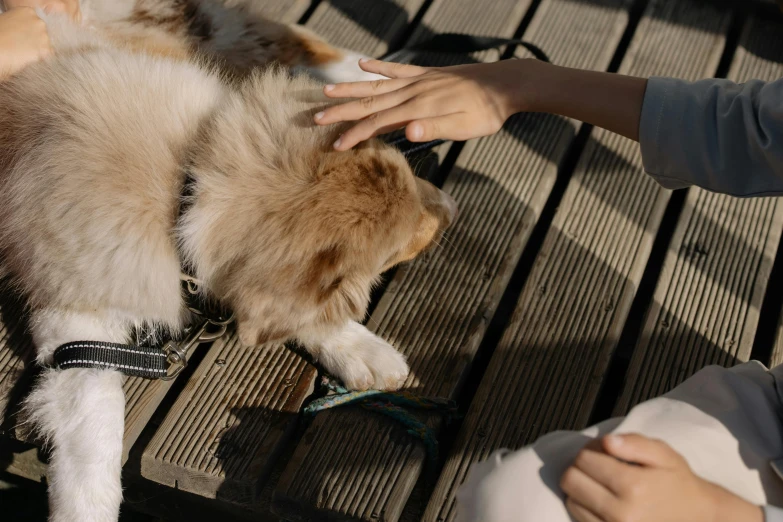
(773, 514)
(715, 134)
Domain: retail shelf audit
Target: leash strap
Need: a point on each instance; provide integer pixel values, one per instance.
(138, 361)
(395, 405)
(459, 43)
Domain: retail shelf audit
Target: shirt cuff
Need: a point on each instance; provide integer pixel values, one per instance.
(659, 129)
(772, 514)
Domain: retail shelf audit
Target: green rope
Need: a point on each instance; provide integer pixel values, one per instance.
(391, 404)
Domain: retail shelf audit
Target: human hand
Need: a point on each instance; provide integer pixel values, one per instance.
(639, 479)
(23, 40)
(68, 7)
(457, 103)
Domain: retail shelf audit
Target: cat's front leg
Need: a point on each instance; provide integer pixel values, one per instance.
(80, 413)
(358, 357)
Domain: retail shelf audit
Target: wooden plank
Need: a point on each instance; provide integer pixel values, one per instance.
(436, 309)
(223, 432)
(288, 12)
(777, 351)
(706, 304)
(548, 367)
(23, 460)
(363, 26)
(142, 398)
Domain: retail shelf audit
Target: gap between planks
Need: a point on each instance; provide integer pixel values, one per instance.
(222, 436)
(706, 305)
(548, 367)
(436, 310)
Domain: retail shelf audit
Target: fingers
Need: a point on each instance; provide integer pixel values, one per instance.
(588, 493)
(449, 127)
(604, 469)
(375, 124)
(390, 69)
(642, 450)
(579, 512)
(364, 89)
(362, 108)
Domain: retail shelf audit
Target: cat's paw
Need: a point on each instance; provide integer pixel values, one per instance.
(363, 361)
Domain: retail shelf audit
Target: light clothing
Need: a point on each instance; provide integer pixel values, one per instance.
(725, 422)
(723, 137)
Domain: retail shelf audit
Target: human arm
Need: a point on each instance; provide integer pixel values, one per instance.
(715, 134)
(68, 7)
(470, 101)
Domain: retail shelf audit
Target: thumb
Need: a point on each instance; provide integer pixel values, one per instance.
(638, 449)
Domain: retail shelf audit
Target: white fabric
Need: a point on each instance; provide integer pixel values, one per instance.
(725, 422)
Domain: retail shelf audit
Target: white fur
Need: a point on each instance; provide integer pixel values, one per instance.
(360, 358)
(80, 413)
(345, 70)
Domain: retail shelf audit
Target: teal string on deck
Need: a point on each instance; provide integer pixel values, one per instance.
(395, 405)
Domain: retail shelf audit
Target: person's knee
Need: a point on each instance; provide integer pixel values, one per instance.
(512, 487)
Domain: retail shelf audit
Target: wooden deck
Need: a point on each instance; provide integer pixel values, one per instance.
(571, 288)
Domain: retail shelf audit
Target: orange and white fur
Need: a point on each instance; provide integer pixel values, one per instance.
(94, 146)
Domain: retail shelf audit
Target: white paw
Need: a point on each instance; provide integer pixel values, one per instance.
(345, 70)
(364, 361)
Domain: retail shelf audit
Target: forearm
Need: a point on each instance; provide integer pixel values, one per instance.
(610, 101)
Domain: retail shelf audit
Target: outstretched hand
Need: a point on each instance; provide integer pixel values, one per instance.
(457, 103)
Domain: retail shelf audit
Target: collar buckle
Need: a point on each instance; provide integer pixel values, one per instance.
(210, 328)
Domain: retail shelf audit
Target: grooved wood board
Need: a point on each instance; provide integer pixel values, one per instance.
(359, 25)
(705, 308)
(17, 355)
(289, 11)
(548, 367)
(777, 350)
(142, 397)
(220, 438)
(436, 309)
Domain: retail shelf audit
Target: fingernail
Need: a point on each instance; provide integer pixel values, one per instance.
(417, 131)
(329, 87)
(614, 440)
(338, 142)
(319, 115)
(364, 60)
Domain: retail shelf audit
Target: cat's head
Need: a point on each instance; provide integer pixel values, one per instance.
(289, 233)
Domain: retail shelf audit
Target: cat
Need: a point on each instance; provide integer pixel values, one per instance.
(97, 144)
